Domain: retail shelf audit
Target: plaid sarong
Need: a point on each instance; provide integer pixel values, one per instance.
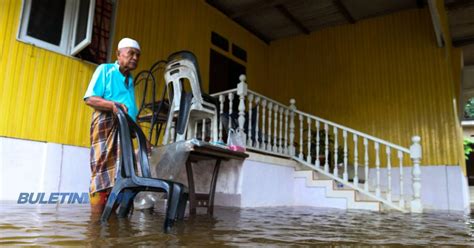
(105, 150)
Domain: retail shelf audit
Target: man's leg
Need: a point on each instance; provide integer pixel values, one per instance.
(98, 200)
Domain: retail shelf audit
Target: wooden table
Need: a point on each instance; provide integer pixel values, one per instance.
(176, 157)
(201, 153)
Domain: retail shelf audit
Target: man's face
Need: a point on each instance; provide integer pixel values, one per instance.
(128, 58)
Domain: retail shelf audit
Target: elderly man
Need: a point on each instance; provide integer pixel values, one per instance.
(111, 83)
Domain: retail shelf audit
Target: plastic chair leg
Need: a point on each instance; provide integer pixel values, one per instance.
(183, 117)
(173, 201)
(182, 206)
(109, 206)
(126, 202)
(167, 134)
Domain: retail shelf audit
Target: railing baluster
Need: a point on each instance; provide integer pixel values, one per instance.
(269, 141)
(326, 148)
(336, 171)
(221, 111)
(401, 201)
(308, 158)
(377, 169)
(280, 137)
(366, 156)
(242, 93)
(264, 138)
(345, 176)
(318, 163)
(257, 136)
(286, 151)
(389, 175)
(301, 136)
(231, 102)
(292, 126)
(275, 124)
(415, 155)
(249, 121)
(356, 157)
(203, 131)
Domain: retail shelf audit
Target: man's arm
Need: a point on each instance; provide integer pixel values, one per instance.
(101, 104)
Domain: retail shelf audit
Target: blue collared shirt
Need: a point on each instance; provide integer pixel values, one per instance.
(109, 83)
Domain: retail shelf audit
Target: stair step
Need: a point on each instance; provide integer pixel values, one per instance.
(332, 191)
(326, 178)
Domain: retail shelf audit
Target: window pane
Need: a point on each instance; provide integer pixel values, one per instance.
(81, 30)
(46, 20)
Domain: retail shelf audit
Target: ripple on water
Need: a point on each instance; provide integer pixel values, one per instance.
(73, 225)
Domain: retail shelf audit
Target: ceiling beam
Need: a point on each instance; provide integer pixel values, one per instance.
(459, 4)
(292, 18)
(464, 41)
(255, 7)
(252, 30)
(255, 32)
(344, 11)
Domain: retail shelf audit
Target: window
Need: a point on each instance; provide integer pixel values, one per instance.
(219, 41)
(239, 52)
(224, 68)
(68, 26)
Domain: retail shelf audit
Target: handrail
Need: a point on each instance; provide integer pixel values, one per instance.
(224, 92)
(400, 148)
(268, 99)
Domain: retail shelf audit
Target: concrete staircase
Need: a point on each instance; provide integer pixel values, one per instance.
(335, 193)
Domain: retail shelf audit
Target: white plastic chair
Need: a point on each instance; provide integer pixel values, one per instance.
(179, 70)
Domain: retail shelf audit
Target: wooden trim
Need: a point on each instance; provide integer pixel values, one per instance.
(459, 4)
(463, 41)
(256, 7)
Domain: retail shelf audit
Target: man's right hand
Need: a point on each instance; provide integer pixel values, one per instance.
(115, 109)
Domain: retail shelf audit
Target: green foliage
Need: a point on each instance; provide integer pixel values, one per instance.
(468, 143)
(469, 109)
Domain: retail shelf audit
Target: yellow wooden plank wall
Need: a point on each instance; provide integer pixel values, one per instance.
(455, 54)
(166, 26)
(41, 91)
(384, 76)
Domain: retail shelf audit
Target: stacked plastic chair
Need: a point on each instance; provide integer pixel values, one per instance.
(189, 107)
(128, 184)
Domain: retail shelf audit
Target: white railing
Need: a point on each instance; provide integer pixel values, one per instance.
(348, 156)
(267, 128)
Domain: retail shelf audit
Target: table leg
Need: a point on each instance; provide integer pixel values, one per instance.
(192, 193)
(212, 189)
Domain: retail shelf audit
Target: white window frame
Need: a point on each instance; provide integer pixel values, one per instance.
(90, 25)
(71, 13)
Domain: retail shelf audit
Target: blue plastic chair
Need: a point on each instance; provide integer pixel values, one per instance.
(128, 184)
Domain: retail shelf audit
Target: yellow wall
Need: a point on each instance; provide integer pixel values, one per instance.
(167, 26)
(455, 57)
(384, 76)
(41, 91)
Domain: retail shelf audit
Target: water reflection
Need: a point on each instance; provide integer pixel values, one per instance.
(74, 225)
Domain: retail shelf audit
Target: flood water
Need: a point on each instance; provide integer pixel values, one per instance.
(278, 226)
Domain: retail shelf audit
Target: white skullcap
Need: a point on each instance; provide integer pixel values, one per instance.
(127, 42)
